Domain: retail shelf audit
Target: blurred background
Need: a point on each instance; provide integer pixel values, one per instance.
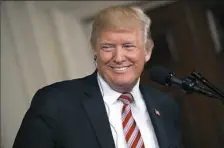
(43, 42)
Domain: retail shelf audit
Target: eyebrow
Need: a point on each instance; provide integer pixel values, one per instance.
(109, 43)
(102, 43)
(129, 42)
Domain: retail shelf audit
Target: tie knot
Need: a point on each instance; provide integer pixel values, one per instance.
(126, 98)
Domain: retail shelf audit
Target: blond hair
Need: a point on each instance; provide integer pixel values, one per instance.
(120, 17)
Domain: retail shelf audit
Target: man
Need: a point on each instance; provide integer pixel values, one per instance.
(109, 108)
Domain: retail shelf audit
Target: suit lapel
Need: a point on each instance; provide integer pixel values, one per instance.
(156, 115)
(96, 111)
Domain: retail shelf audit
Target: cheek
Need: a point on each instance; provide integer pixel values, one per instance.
(104, 57)
(138, 58)
(139, 65)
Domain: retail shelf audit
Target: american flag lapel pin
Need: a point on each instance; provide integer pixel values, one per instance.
(157, 112)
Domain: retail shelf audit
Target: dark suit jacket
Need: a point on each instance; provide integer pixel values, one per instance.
(72, 114)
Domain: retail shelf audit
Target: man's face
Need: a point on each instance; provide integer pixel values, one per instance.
(121, 57)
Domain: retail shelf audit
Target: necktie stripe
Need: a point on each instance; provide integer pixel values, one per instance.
(133, 136)
(140, 144)
(126, 98)
(126, 118)
(131, 131)
(128, 126)
(125, 113)
(135, 142)
(126, 101)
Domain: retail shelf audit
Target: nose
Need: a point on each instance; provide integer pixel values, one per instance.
(119, 55)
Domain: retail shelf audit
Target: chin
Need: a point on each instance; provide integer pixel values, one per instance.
(124, 82)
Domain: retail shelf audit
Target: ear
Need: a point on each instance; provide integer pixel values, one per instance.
(148, 49)
(95, 56)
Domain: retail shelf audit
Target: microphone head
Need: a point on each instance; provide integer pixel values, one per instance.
(160, 75)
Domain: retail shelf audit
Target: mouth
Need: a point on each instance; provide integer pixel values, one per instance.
(120, 69)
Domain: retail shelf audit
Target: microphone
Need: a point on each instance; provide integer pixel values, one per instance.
(165, 77)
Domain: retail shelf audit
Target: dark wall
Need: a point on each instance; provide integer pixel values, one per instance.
(183, 42)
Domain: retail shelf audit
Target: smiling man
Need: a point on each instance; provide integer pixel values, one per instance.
(122, 56)
(109, 108)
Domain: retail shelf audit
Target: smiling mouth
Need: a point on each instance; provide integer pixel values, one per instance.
(120, 69)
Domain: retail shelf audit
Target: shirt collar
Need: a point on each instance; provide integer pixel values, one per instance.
(109, 95)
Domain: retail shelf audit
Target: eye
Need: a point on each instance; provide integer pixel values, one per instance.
(129, 46)
(107, 47)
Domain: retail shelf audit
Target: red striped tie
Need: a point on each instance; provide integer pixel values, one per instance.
(131, 130)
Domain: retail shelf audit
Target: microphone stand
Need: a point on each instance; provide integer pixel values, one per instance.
(198, 77)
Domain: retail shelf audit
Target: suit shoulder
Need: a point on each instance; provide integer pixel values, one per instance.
(63, 85)
(60, 89)
(160, 96)
(158, 92)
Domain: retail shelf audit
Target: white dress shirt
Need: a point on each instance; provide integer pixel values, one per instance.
(139, 112)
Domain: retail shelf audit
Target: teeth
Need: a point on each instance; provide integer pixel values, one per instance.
(120, 68)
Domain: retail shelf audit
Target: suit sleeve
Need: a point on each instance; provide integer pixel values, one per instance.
(39, 123)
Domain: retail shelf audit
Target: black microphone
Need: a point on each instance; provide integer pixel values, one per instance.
(165, 77)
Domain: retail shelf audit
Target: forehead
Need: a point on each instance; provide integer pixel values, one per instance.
(120, 35)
